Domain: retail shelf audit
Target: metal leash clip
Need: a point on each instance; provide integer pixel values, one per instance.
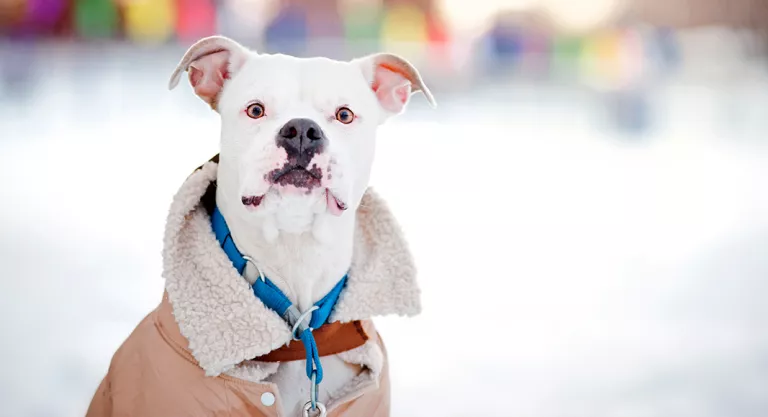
(313, 404)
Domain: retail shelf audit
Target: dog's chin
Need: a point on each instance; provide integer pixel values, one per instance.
(294, 211)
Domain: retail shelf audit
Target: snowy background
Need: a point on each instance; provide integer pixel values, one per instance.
(568, 268)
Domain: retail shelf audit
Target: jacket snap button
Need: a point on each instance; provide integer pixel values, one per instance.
(268, 399)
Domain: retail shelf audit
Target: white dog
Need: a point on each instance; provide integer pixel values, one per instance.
(297, 145)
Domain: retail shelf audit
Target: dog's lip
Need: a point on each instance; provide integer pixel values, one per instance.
(288, 168)
(336, 206)
(251, 200)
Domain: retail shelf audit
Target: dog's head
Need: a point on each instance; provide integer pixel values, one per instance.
(297, 135)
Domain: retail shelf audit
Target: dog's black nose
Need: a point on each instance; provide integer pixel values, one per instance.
(302, 139)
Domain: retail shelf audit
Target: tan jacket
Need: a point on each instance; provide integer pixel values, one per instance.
(192, 356)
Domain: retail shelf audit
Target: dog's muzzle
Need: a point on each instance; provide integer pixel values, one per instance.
(301, 139)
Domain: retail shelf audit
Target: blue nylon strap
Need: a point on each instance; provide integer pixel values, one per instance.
(221, 230)
(326, 304)
(313, 357)
(272, 297)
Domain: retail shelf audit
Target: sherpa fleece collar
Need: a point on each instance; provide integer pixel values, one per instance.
(215, 308)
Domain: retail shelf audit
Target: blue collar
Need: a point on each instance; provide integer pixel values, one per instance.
(266, 291)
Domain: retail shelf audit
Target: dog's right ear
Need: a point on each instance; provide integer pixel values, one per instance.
(210, 61)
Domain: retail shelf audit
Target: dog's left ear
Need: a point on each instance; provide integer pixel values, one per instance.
(393, 80)
(210, 62)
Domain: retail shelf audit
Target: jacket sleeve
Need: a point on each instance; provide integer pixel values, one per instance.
(101, 404)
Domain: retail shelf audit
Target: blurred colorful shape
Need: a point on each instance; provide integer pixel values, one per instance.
(565, 56)
(95, 18)
(11, 12)
(437, 30)
(43, 15)
(536, 59)
(439, 49)
(323, 20)
(600, 59)
(631, 58)
(288, 31)
(362, 21)
(149, 21)
(195, 19)
(505, 42)
(404, 23)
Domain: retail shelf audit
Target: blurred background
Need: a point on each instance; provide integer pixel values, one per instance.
(602, 193)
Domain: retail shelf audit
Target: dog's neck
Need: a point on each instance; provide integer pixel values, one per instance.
(304, 268)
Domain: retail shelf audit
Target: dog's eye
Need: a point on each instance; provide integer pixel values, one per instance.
(255, 111)
(345, 115)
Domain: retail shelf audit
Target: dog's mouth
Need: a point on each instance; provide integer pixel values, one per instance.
(297, 176)
(294, 178)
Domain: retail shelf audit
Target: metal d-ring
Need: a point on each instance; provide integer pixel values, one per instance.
(320, 407)
(300, 320)
(261, 274)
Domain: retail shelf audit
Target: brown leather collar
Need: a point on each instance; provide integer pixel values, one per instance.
(331, 339)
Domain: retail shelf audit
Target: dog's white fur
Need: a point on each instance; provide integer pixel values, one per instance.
(296, 239)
